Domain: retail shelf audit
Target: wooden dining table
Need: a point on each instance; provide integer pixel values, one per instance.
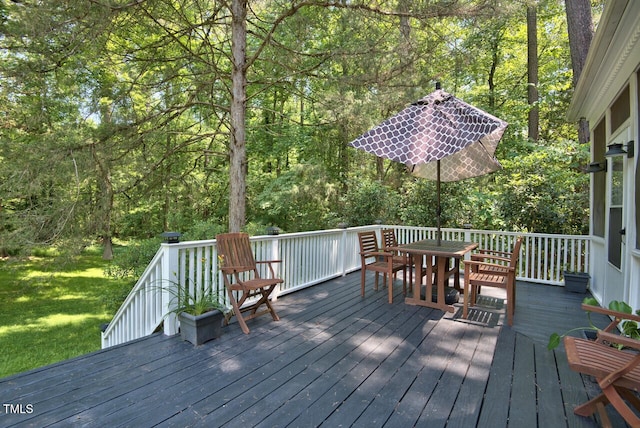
(442, 253)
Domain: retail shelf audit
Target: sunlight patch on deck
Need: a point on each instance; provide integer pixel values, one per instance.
(478, 316)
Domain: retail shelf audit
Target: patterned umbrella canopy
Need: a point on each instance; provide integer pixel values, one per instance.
(439, 137)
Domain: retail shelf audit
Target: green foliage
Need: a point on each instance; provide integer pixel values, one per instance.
(130, 261)
(128, 264)
(129, 135)
(141, 222)
(45, 252)
(300, 199)
(419, 203)
(628, 328)
(202, 230)
(368, 202)
(545, 190)
(187, 298)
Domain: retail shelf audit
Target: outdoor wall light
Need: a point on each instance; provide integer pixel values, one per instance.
(597, 167)
(617, 150)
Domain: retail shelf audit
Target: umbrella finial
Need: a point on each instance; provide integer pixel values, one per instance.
(438, 85)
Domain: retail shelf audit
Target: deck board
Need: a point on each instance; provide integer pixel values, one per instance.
(522, 408)
(495, 409)
(334, 359)
(548, 389)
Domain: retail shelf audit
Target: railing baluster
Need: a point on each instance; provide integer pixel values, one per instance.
(312, 257)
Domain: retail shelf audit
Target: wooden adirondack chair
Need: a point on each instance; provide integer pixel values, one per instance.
(492, 270)
(382, 262)
(617, 373)
(247, 291)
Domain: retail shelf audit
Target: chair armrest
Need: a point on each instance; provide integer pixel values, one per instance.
(376, 254)
(233, 269)
(505, 269)
(618, 339)
(616, 314)
(480, 257)
(270, 264)
(495, 253)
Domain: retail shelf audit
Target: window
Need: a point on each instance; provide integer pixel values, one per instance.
(620, 110)
(637, 196)
(598, 140)
(615, 211)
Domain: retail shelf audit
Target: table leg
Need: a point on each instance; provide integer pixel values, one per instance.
(417, 261)
(416, 298)
(442, 301)
(428, 289)
(456, 273)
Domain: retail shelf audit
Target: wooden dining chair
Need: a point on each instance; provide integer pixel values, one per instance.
(390, 241)
(246, 289)
(616, 371)
(492, 271)
(494, 256)
(375, 259)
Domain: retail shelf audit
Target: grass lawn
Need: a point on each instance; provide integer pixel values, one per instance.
(52, 309)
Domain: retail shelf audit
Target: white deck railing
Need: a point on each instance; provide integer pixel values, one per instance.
(310, 258)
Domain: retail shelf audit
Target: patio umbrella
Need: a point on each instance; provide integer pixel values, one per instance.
(439, 137)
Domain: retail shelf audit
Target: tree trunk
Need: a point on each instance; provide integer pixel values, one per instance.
(580, 29)
(496, 39)
(532, 72)
(106, 203)
(237, 148)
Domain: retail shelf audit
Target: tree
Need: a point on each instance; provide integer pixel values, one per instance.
(532, 72)
(166, 122)
(580, 29)
(238, 154)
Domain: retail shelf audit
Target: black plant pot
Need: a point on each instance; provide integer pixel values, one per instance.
(576, 282)
(199, 329)
(589, 334)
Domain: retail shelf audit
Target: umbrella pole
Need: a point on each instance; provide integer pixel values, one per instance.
(439, 234)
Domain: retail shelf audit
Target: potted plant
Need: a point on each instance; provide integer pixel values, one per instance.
(628, 327)
(199, 311)
(576, 282)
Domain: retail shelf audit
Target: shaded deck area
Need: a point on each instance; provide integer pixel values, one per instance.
(334, 359)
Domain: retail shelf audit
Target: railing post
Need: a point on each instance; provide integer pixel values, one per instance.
(342, 252)
(275, 255)
(169, 279)
(467, 238)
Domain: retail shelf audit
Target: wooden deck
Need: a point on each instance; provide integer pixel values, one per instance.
(334, 359)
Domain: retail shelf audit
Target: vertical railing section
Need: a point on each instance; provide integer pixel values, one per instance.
(142, 311)
(310, 258)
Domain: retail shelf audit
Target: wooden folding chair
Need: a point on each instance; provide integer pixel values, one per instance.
(379, 261)
(617, 373)
(480, 271)
(242, 279)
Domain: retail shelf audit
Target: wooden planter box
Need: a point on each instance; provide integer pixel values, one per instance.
(576, 282)
(199, 329)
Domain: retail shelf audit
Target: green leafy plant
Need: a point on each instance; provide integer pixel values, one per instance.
(192, 300)
(629, 328)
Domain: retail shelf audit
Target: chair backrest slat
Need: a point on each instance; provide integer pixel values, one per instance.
(235, 251)
(368, 242)
(389, 238)
(515, 253)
